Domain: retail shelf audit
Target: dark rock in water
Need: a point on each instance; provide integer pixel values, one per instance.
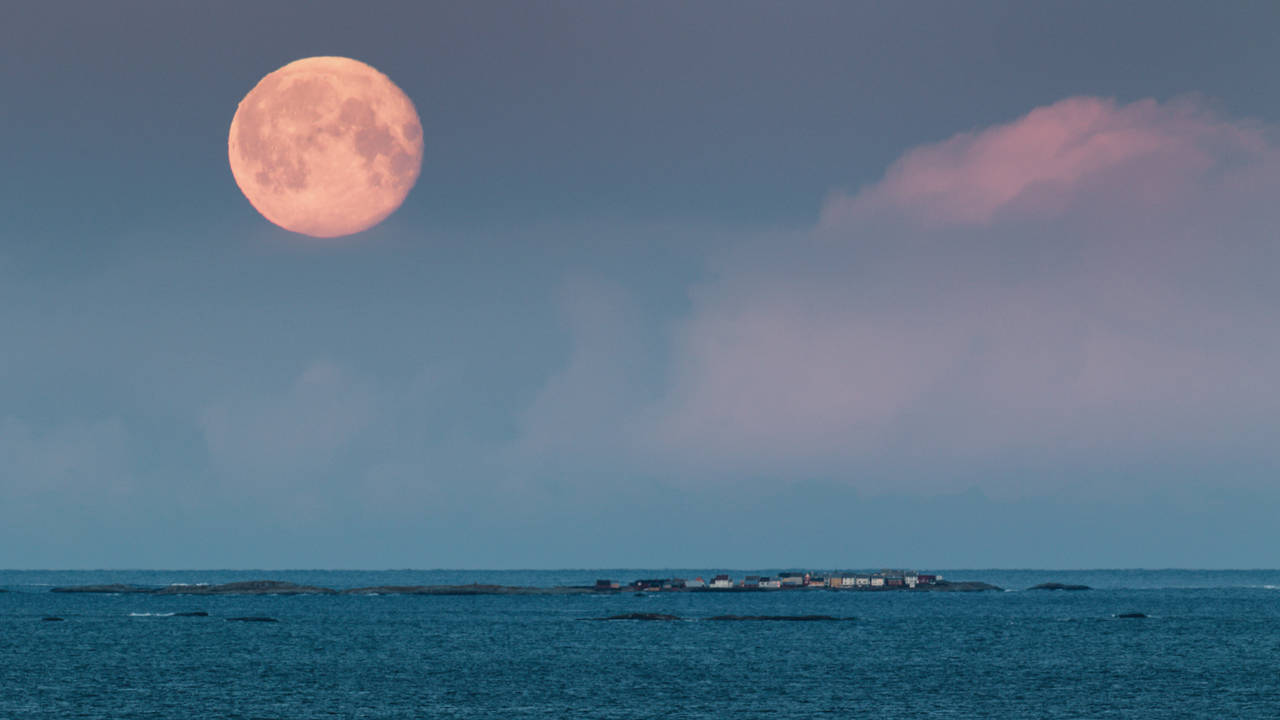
(113, 588)
(51, 618)
(965, 586)
(639, 616)
(783, 618)
(194, 613)
(472, 589)
(251, 587)
(1059, 586)
(1131, 616)
(252, 618)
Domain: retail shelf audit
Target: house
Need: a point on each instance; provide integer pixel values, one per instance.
(911, 579)
(675, 584)
(696, 583)
(923, 579)
(770, 583)
(751, 582)
(877, 581)
(606, 585)
(791, 579)
(721, 582)
(848, 581)
(862, 581)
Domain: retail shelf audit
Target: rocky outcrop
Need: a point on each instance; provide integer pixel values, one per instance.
(968, 586)
(253, 618)
(51, 618)
(115, 588)
(250, 587)
(781, 618)
(1059, 586)
(472, 589)
(194, 613)
(640, 616)
(1132, 616)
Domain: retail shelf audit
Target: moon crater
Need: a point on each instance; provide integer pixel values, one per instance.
(325, 146)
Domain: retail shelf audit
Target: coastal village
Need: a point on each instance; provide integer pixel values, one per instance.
(883, 580)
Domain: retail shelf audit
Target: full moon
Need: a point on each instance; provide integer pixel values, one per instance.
(325, 146)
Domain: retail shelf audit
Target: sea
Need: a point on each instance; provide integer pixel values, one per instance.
(1209, 647)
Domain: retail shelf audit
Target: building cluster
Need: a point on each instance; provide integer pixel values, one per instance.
(885, 579)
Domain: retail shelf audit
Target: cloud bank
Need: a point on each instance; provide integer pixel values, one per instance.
(1089, 283)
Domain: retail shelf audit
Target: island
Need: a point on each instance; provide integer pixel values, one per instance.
(882, 581)
(1059, 586)
(251, 587)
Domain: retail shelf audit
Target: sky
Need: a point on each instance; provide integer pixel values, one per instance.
(715, 284)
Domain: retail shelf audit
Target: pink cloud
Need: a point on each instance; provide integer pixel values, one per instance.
(1091, 281)
(1040, 162)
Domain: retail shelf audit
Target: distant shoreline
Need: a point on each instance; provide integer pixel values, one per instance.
(274, 587)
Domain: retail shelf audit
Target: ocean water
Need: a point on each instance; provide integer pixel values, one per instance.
(1210, 648)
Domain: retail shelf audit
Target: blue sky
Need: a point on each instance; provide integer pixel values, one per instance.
(722, 284)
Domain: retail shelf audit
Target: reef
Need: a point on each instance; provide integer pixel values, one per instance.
(782, 618)
(639, 616)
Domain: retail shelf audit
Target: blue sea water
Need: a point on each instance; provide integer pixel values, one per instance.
(1210, 648)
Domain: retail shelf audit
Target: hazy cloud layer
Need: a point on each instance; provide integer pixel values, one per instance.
(277, 437)
(1089, 282)
(90, 458)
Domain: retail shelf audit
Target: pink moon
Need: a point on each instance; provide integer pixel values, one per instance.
(325, 146)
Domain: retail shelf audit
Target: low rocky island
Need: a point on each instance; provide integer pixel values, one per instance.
(884, 581)
(1059, 586)
(251, 587)
(729, 618)
(113, 589)
(780, 618)
(967, 586)
(639, 616)
(473, 589)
